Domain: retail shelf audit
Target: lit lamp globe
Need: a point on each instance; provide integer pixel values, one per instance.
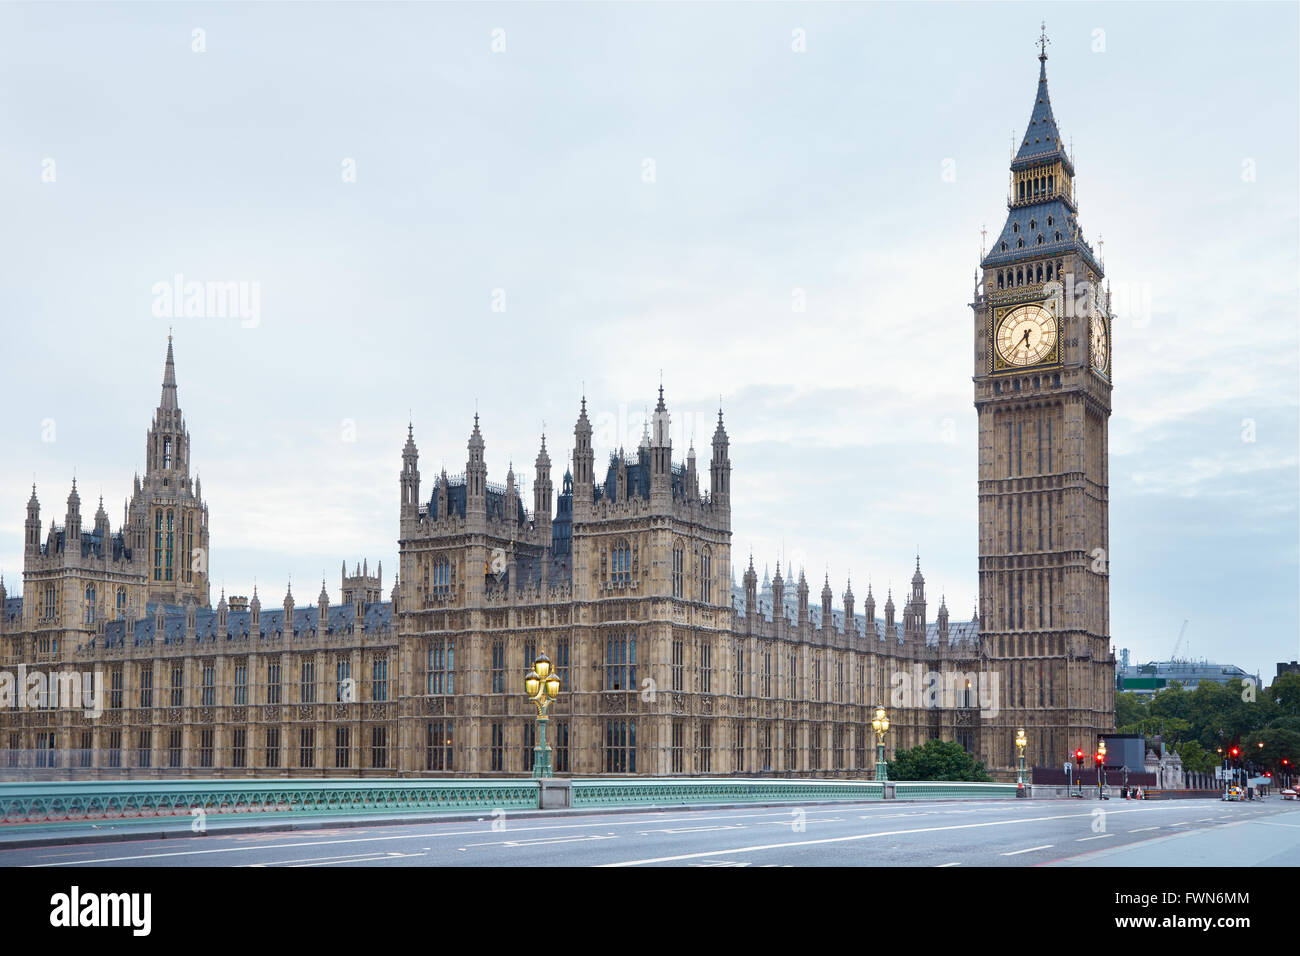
(543, 666)
(532, 684)
(552, 686)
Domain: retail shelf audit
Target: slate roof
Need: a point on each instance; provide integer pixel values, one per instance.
(1042, 141)
(377, 615)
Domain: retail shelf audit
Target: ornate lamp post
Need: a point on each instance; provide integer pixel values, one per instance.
(542, 687)
(880, 724)
(1021, 742)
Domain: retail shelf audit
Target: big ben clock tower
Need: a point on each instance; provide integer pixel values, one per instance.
(1043, 373)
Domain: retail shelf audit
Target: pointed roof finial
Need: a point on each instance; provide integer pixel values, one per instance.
(1043, 41)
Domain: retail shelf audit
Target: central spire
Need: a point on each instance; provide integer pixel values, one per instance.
(169, 379)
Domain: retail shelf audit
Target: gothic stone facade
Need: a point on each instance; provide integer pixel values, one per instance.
(626, 584)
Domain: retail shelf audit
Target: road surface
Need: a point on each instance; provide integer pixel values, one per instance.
(941, 834)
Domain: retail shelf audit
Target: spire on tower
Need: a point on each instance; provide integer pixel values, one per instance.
(169, 379)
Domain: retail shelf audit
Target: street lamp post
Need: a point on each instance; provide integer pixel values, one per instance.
(542, 687)
(880, 724)
(1021, 742)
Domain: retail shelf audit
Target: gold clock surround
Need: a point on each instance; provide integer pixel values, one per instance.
(1052, 356)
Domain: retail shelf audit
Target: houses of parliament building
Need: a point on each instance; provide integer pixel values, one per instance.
(624, 579)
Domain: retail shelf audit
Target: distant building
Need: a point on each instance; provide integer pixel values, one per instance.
(1284, 668)
(1149, 679)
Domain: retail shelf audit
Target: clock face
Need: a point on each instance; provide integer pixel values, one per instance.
(1026, 335)
(1100, 342)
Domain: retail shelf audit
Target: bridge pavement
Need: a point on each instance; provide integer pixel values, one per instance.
(941, 834)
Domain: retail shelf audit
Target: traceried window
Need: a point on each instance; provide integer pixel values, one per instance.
(307, 747)
(620, 571)
(174, 749)
(679, 562)
(144, 749)
(498, 666)
(706, 668)
(90, 604)
(239, 747)
(379, 678)
(344, 692)
(620, 746)
(157, 545)
(620, 661)
(677, 748)
(178, 685)
(49, 602)
(740, 671)
(839, 682)
(561, 662)
(169, 560)
(205, 747)
(146, 685)
(121, 603)
(442, 665)
(209, 695)
(767, 675)
(767, 745)
(738, 746)
(273, 684)
(441, 584)
(167, 453)
(241, 683)
(438, 745)
(705, 751)
(115, 690)
(678, 667)
(307, 685)
(791, 745)
(273, 747)
(706, 576)
(379, 747)
(497, 751)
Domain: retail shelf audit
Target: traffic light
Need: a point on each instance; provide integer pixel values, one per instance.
(1235, 753)
(1078, 757)
(1099, 757)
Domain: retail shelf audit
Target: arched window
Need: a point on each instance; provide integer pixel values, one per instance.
(121, 602)
(620, 571)
(1000, 279)
(169, 564)
(706, 575)
(441, 577)
(679, 564)
(90, 604)
(167, 452)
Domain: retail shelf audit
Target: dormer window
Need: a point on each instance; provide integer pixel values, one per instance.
(1033, 224)
(1049, 220)
(1015, 227)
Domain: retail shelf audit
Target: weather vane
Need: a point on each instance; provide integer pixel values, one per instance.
(1043, 41)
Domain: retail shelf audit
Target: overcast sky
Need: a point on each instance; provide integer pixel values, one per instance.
(444, 208)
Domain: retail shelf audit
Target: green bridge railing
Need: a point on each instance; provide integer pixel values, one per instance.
(68, 802)
(597, 792)
(65, 801)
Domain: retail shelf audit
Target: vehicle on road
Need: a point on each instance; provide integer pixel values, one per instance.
(1232, 793)
(1288, 794)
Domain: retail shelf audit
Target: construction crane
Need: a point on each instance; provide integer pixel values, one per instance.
(1179, 642)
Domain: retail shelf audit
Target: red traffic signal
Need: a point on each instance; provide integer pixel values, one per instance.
(1078, 756)
(1235, 752)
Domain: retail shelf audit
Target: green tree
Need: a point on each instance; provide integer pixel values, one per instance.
(936, 760)
(1285, 693)
(1195, 758)
(1130, 711)
(1278, 745)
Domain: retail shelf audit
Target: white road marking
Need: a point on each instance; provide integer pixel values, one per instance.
(1045, 846)
(1099, 836)
(942, 865)
(1143, 829)
(859, 836)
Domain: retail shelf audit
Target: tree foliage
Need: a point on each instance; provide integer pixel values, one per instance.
(936, 760)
